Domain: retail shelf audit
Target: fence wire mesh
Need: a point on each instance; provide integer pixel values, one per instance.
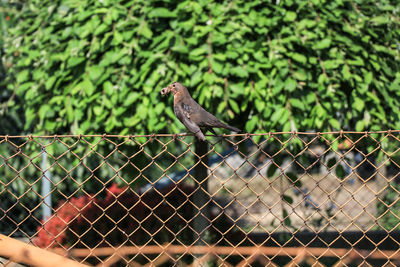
(277, 199)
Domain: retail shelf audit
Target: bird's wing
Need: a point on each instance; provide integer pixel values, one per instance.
(187, 110)
(183, 115)
(206, 119)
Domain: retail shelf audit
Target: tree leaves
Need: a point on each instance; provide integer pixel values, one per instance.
(73, 61)
(161, 12)
(22, 76)
(279, 67)
(299, 58)
(95, 72)
(323, 44)
(290, 16)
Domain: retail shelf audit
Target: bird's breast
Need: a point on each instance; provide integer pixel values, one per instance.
(177, 98)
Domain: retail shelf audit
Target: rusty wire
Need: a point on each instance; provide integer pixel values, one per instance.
(277, 199)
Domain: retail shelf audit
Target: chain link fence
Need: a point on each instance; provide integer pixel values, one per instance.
(277, 199)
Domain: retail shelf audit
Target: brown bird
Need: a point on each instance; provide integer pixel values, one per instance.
(191, 114)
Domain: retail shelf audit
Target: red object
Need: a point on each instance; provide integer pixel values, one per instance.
(74, 221)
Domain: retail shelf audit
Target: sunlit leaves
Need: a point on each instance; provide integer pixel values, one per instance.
(251, 124)
(290, 16)
(299, 58)
(323, 44)
(271, 67)
(161, 12)
(74, 61)
(22, 76)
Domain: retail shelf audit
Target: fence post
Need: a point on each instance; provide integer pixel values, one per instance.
(201, 197)
(46, 187)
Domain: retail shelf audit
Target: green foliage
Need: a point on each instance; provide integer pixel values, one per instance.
(388, 209)
(11, 118)
(98, 66)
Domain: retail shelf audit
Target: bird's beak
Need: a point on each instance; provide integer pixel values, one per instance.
(165, 91)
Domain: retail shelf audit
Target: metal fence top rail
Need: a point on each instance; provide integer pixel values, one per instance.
(185, 134)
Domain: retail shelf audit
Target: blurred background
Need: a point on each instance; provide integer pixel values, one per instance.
(98, 66)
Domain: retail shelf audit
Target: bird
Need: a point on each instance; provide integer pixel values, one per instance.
(191, 114)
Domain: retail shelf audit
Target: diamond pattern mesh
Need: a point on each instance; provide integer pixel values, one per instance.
(276, 199)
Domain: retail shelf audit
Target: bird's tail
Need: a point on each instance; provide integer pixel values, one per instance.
(230, 128)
